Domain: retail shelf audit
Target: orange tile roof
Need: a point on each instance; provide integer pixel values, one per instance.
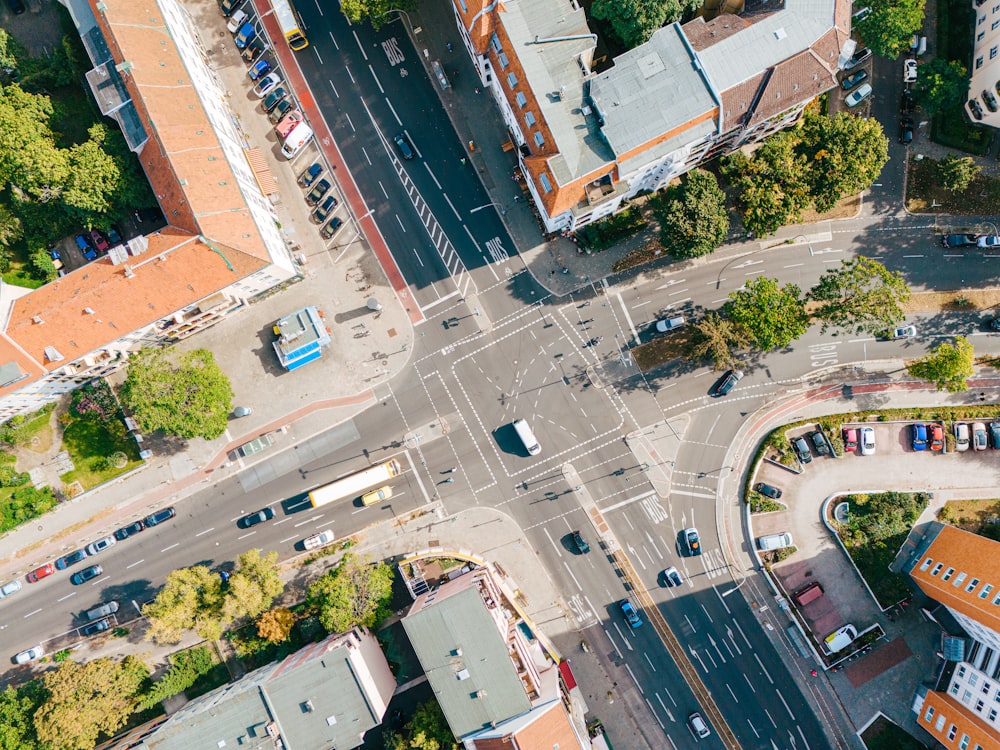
(177, 270)
(548, 727)
(975, 556)
(965, 721)
(11, 353)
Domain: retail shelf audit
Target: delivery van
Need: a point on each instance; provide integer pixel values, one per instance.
(527, 437)
(840, 639)
(301, 135)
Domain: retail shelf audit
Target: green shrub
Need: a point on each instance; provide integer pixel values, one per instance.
(604, 233)
(94, 401)
(186, 667)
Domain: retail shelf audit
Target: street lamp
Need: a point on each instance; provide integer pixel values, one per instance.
(503, 211)
(408, 20)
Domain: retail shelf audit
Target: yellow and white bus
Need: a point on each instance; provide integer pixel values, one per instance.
(353, 485)
(290, 24)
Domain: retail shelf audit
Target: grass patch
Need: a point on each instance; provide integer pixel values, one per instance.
(604, 233)
(760, 504)
(33, 431)
(975, 516)
(91, 445)
(676, 345)
(924, 193)
(882, 734)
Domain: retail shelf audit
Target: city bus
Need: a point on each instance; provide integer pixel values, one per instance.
(290, 24)
(353, 485)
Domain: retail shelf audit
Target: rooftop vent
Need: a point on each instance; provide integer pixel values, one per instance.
(456, 652)
(331, 720)
(52, 354)
(88, 311)
(37, 319)
(307, 707)
(780, 34)
(463, 674)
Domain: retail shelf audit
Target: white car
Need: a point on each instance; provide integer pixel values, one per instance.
(35, 652)
(909, 71)
(961, 430)
(988, 240)
(268, 82)
(867, 441)
(321, 539)
(979, 440)
(100, 545)
(859, 94)
(236, 20)
(904, 332)
(12, 587)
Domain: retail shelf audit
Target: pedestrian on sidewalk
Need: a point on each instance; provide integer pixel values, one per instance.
(463, 161)
(450, 49)
(477, 89)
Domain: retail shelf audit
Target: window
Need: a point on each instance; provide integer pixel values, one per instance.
(521, 99)
(979, 36)
(980, 705)
(948, 574)
(511, 80)
(995, 8)
(986, 591)
(502, 58)
(972, 585)
(929, 714)
(937, 569)
(966, 697)
(996, 599)
(546, 185)
(981, 21)
(539, 138)
(958, 579)
(953, 689)
(993, 714)
(986, 688)
(952, 731)
(979, 63)
(994, 26)
(495, 44)
(961, 670)
(963, 744)
(529, 119)
(993, 51)
(939, 724)
(926, 564)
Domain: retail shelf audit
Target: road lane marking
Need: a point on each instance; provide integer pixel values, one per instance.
(628, 501)
(613, 644)
(377, 81)
(288, 539)
(572, 576)
(246, 535)
(39, 610)
(137, 562)
(764, 670)
(68, 596)
(100, 580)
(790, 714)
(662, 725)
(632, 675)
(730, 689)
(752, 688)
(360, 45)
(206, 531)
(628, 318)
(770, 718)
(167, 549)
(625, 640)
(649, 660)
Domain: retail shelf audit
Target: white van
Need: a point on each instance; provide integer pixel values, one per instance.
(300, 135)
(774, 541)
(527, 437)
(840, 639)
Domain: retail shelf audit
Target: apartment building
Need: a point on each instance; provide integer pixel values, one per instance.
(984, 86)
(587, 142)
(220, 248)
(961, 571)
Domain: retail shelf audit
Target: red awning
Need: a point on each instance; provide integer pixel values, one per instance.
(567, 675)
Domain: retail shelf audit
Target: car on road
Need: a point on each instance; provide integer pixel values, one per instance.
(17, 7)
(907, 104)
(861, 54)
(858, 95)
(41, 572)
(277, 114)
(867, 441)
(322, 212)
(261, 516)
(909, 70)
(376, 496)
(102, 610)
(767, 490)
(936, 437)
(579, 542)
(961, 431)
(918, 436)
(801, 448)
(236, 20)
(819, 443)
(692, 542)
(850, 439)
(958, 240)
(242, 411)
(979, 440)
(330, 228)
(100, 545)
(321, 539)
(672, 577)
(258, 69)
(853, 80)
(131, 530)
(30, 654)
(727, 383)
(905, 131)
(993, 324)
(95, 627)
(71, 559)
(87, 574)
(697, 724)
(904, 332)
(403, 144)
(995, 435)
(274, 98)
(320, 189)
(988, 240)
(669, 324)
(310, 175)
(631, 616)
(159, 517)
(9, 588)
(266, 84)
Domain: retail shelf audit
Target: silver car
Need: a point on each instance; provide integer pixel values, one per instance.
(35, 652)
(100, 545)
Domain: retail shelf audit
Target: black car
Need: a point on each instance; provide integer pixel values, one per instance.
(96, 627)
(71, 559)
(767, 490)
(131, 530)
(159, 517)
(280, 110)
(307, 178)
(581, 544)
(273, 97)
(17, 7)
(228, 7)
(993, 324)
(906, 131)
(818, 440)
(801, 448)
(907, 104)
(82, 576)
(403, 144)
(976, 110)
(322, 211)
(860, 55)
(995, 435)
(853, 80)
(261, 516)
(958, 240)
(727, 384)
(320, 189)
(330, 228)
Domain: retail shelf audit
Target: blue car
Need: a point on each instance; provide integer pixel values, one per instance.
(71, 559)
(919, 436)
(259, 69)
(631, 616)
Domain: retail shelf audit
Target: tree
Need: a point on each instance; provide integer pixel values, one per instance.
(891, 24)
(18, 706)
(693, 216)
(773, 185)
(947, 366)
(356, 592)
(717, 337)
(10, 52)
(190, 600)
(84, 701)
(427, 730)
(845, 155)
(276, 624)
(183, 394)
(42, 266)
(861, 296)
(941, 85)
(635, 21)
(185, 669)
(253, 586)
(376, 11)
(957, 173)
(773, 316)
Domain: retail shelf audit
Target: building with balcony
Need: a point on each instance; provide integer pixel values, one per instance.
(221, 246)
(587, 142)
(983, 106)
(961, 571)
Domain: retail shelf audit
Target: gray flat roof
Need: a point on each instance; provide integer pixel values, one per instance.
(466, 662)
(649, 91)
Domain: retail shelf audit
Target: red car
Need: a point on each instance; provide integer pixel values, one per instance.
(937, 437)
(99, 242)
(39, 573)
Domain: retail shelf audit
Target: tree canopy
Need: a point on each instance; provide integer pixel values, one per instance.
(772, 316)
(947, 366)
(861, 296)
(18, 706)
(633, 22)
(427, 730)
(276, 624)
(957, 173)
(716, 339)
(891, 24)
(845, 155)
(693, 216)
(184, 394)
(941, 85)
(356, 592)
(378, 12)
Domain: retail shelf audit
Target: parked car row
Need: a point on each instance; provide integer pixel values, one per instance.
(804, 445)
(984, 241)
(319, 196)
